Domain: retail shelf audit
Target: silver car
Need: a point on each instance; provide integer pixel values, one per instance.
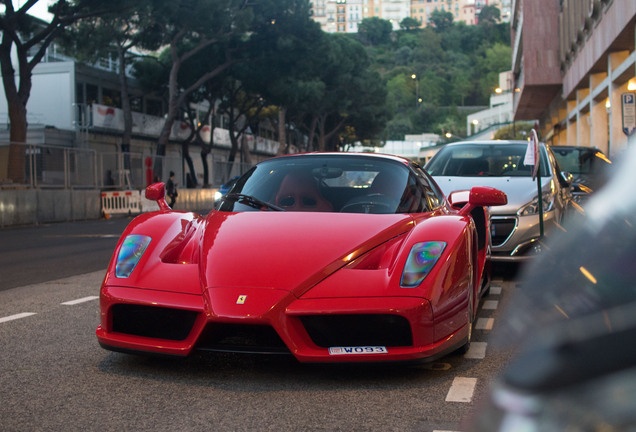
(499, 164)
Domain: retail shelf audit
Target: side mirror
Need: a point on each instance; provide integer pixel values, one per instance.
(568, 177)
(157, 192)
(478, 196)
(482, 196)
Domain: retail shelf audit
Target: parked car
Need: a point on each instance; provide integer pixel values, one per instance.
(329, 257)
(500, 164)
(223, 189)
(572, 326)
(589, 166)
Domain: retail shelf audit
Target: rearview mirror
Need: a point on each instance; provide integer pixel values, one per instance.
(478, 196)
(157, 192)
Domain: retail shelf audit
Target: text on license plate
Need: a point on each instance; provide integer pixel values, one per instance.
(358, 350)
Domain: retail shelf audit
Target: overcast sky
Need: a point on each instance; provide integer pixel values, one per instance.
(39, 9)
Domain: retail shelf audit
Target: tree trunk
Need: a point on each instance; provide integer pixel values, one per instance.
(125, 100)
(312, 133)
(16, 102)
(245, 150)
(282, 132)
(17, 148)
(206, 170)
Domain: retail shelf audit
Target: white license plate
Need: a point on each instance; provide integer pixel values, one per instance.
(358, 350)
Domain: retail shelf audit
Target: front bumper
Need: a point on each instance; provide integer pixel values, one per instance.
(520, 236)
(305, 328)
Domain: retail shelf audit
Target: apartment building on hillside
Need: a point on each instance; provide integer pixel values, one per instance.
(344, 16)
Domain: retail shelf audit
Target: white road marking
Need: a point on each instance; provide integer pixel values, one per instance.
(16, 316)
(461, 390)
(490, 304)
(477, 350)
(484, 323)
(80, 300)
(495, 290)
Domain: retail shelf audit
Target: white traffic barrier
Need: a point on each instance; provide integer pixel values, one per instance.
(121, 202)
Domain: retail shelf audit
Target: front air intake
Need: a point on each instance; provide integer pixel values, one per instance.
(358, 330)
(153, 322)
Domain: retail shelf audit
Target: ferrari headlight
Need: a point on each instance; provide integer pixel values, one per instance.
(532, 207)
(420, 261)
(130, 253)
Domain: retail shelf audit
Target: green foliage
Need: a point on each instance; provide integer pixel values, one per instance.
(375, 31)
(515, 131)
(456, 65)
(441, 20)
(409, 23)
(489, 15)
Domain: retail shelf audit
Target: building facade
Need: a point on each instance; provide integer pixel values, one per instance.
(572, 62)
(344, 16)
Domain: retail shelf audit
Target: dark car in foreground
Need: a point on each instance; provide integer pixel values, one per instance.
(329, 257)
(500, 164)
(572, 326)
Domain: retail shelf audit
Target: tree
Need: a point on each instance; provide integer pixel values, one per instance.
(188, 28)
(29, 38)
(114, 35)
(514, 131)
(489, 15)
(494, 60)
(375, 31)
(441, 20)
(353, 94)
(409, 24)
(284, 54)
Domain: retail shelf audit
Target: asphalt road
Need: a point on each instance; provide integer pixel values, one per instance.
(54, 376)
(32, 254)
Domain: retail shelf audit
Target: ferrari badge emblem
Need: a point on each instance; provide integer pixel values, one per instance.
(241, 299)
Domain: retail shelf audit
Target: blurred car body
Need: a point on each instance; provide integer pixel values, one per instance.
(589, 167)
(499, 164)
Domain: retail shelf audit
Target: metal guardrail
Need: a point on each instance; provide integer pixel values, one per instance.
(47, 166)
(57, 167)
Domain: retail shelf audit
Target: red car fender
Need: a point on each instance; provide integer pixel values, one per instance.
(452, 282)
(170, 260)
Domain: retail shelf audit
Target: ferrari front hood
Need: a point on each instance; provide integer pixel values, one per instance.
(290, 251)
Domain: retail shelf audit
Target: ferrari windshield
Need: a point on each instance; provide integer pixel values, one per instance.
(484, 159)
(333, 183)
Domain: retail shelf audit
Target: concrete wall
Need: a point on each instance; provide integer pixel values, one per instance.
(34, 206)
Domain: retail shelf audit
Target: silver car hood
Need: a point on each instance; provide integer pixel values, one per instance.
(520, 190)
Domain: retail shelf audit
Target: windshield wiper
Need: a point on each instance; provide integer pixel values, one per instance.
(252, 201)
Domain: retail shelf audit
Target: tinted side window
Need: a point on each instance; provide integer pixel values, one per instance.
(431, 194)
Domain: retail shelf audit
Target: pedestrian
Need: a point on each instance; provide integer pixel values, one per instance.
(171, 190)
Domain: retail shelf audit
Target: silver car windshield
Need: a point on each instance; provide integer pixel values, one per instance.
(475, 160)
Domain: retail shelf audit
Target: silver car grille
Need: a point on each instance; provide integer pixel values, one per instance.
(501, 228)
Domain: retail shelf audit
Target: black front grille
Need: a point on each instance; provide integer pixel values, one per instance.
(358, 330)
(226, 337)
(151, 321)
(501, 228)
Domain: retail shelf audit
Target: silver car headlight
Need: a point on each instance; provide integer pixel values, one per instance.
(532, 207)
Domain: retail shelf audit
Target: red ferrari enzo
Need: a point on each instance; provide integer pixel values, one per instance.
(329, 257)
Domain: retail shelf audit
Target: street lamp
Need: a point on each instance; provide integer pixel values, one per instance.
(417, 89)
(475, 123)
